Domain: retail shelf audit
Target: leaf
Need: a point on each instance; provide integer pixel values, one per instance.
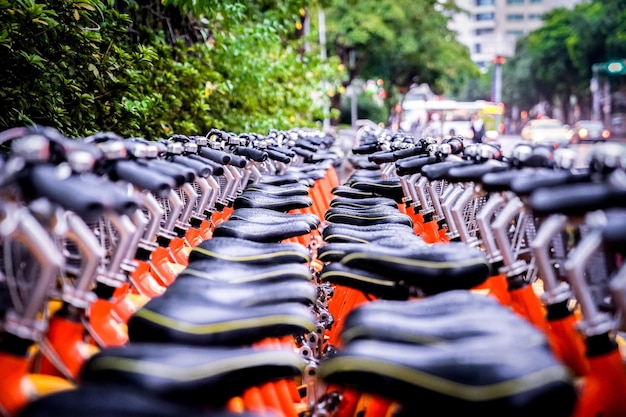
(94, 70)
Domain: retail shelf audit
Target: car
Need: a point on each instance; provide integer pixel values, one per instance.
(589, 131)
(546, 130)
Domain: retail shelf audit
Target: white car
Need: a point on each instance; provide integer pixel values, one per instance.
(551, 131)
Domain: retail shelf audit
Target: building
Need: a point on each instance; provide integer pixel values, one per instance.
(491, 27)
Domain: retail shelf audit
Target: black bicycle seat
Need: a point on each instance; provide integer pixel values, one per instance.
(350, 192)
(401, 326)
(233, 272)
(370, 211)
(366, 217)
(250, 294)
(200, 323)
(208, 376)
(247, 251)
(480, 376)
(107, 400)
(379, 285)
(432, 269)
(267, 216)
(281, 190)
(336, 251)
(259, 232)
(444, 304)
(280, 179)
(259, 199)
(390, 188)
(362, 202)
(339, 233)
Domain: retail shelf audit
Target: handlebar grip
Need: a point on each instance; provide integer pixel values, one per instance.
(214, 155)
(306, 154)
(306, 144)
(254, 154)
(238, 161)
(456, 145)
(525, 185)
(180, 175)
(413, 165)
(381, 157)
(365, 149)
(405, 153)
(142, 177)
(218, 169)
(72, 193)
(203, 170)
(284, 151)
(576, 199)
(278, 156)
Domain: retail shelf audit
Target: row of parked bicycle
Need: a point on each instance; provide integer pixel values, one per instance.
(234, 274)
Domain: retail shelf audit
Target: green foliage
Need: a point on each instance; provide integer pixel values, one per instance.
(367, 108)
(82, 66)
(555, 61)
(401, 41)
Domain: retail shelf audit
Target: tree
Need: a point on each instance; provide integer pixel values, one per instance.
(400, 41)
(554, 62)
(152, 68)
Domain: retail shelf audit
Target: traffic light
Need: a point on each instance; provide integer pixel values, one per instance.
(616, 67)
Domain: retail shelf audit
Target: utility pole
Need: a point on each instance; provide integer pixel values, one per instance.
(496, 94)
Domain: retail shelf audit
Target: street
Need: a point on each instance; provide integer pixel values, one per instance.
(508, 142)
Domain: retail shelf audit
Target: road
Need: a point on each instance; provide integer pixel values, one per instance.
(508, 142)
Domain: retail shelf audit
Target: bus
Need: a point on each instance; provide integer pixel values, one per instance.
(440, 118)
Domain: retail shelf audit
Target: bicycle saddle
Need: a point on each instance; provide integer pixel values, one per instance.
(365, 217)
(247, 251)
(215, 269)
(433, 269)
(338, 233)
(446, 303)
(479, 376)
(204, 375)
(279, 180)
(402, 326)
(259, 293)
(362, 202)
(350, 192)
(200, 323)
(390, 188)
(267, 216)
(379, 285)
(260, 232)
(311, 173)
(282, 190)
(370, 211)
(107, 400)
(336, 251)
(259, 199)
